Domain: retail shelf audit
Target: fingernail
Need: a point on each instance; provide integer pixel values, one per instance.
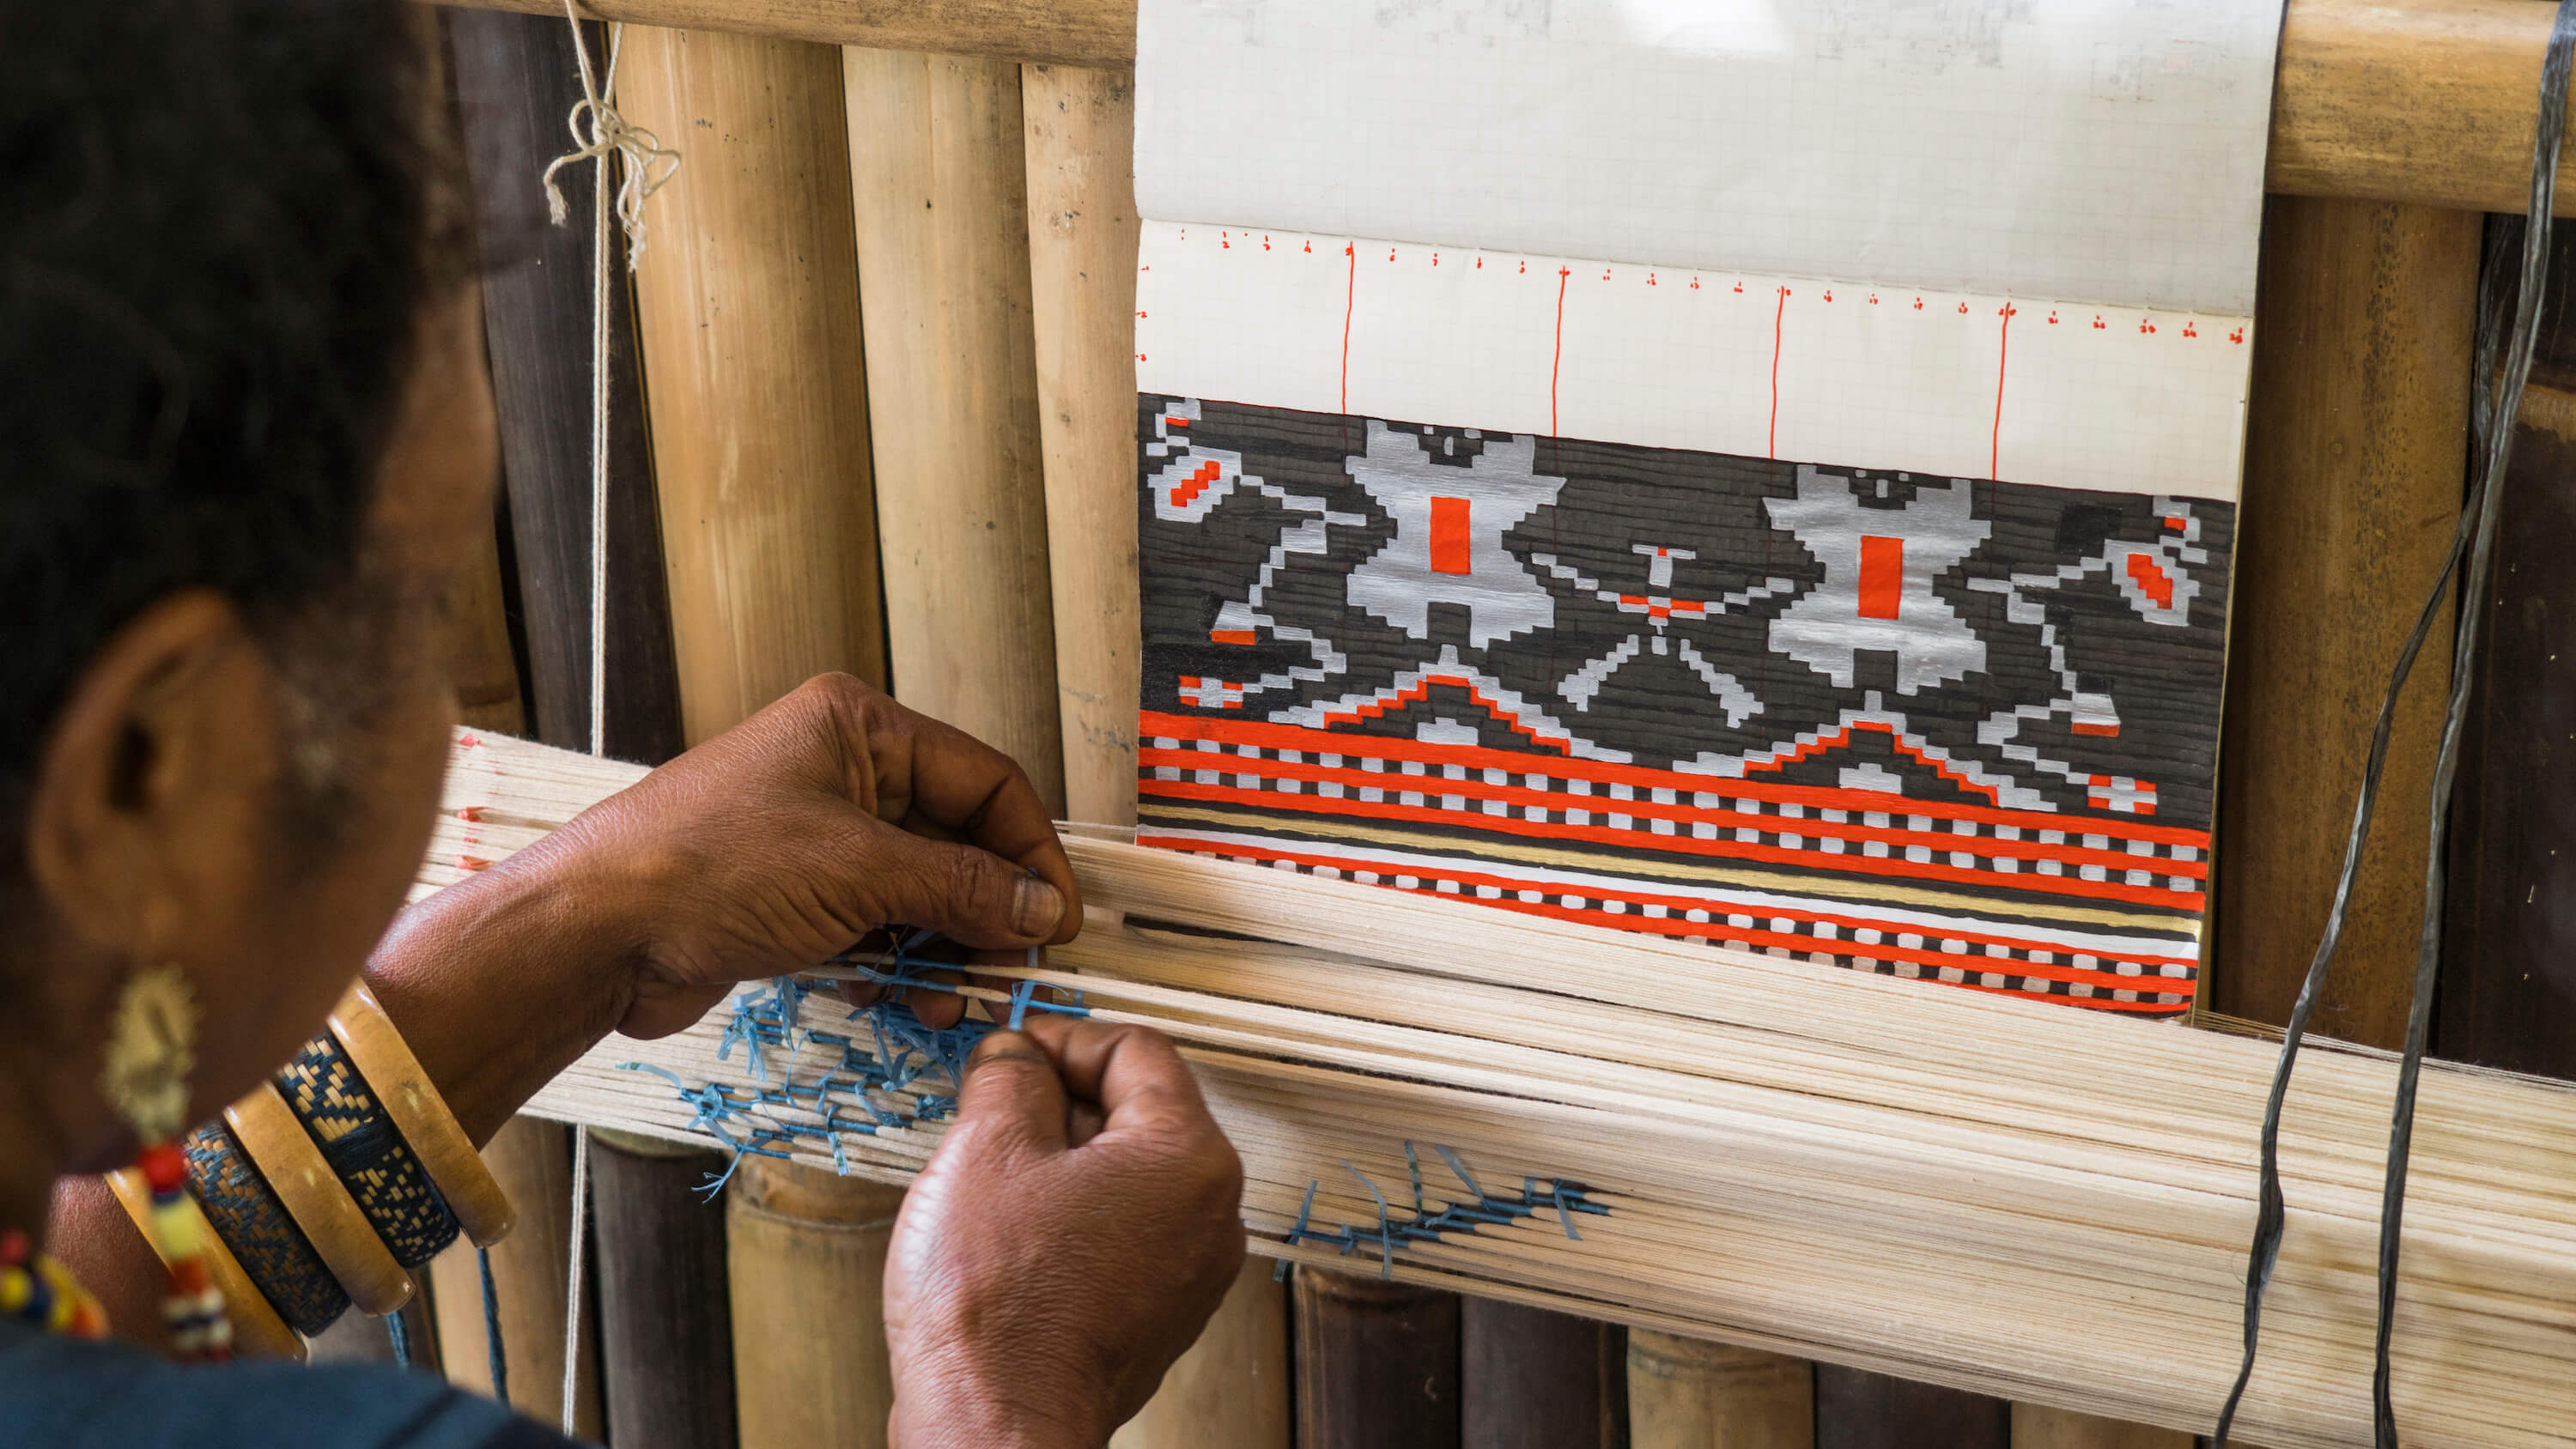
(1036, 908)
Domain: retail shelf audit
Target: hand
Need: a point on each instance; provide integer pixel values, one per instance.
(782, 841)
(1070, 1238)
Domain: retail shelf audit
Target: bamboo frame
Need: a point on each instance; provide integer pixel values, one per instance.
(2429, 101)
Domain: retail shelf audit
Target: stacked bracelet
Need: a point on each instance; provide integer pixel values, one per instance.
(328, 1189)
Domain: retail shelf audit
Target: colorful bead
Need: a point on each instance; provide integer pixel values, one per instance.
(164, 1166)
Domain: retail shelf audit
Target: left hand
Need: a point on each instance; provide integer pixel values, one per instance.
(831, 813)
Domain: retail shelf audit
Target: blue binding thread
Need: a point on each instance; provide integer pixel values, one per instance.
(1486, 1210)
(400, 1337)
(496, 1360)
(900, 1054)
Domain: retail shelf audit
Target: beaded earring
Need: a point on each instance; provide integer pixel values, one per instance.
(150, 1052)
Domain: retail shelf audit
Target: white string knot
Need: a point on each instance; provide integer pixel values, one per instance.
(599, 131)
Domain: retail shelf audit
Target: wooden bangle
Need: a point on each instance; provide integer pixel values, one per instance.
(256, 1326)
(420, 1114)
(318, 1201)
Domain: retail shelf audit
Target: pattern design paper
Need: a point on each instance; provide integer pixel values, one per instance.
(1925, 725)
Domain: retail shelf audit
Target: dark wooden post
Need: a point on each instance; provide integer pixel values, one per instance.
(1377, 1364)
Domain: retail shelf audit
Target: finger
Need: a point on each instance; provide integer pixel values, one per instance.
(1134, 1073)
(957, 784)
(962, 892)
(1012, 1088)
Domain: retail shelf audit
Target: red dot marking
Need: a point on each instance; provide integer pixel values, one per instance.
(470, 812)
(473, 862)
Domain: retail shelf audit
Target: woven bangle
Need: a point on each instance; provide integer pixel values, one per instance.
(318, 1201)
(409, 1097)
(348, 1122)
(255, 1321)
(250, 1222)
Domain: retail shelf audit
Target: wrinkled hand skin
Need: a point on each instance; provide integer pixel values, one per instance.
(827, 815)
(1076, 1229)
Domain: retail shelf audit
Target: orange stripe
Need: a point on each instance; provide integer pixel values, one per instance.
(1632, 892)
(1265, 735)
(1859, 865)
(1717, 930)
(1477, 789)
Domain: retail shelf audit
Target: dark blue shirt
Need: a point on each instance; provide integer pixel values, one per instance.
(57, 1393)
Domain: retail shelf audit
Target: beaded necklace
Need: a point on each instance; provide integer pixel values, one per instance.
(37, 1290)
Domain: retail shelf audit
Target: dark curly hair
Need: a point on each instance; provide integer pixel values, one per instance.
(219, 220)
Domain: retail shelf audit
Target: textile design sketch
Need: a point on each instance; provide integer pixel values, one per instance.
(1929, 726)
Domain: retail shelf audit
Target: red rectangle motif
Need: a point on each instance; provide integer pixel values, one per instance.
(1449, 536)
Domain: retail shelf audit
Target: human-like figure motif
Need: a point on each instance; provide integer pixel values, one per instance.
(1877, 593)
(1448, 544)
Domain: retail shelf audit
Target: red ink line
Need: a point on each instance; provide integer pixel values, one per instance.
(1772, 447)
(1556, 360)
(2003, 349)
(1352, 251)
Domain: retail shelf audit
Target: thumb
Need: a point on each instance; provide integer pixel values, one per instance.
(1011, 1089)
(969, 895)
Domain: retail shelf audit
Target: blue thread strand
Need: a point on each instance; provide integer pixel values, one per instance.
(400, 1337)
(494, 1357)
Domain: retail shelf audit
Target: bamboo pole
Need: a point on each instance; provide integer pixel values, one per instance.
(752, 344)
(747, 303)
(940, 189)
(2034, 1427)
(1691, 1393)
(1231, 1388)
(2355, 453)
(474, 643)
(2429, 102)
(663, 1329)
(532, 1160)
(792, 1227)
(1377, 1363)
(1082, 283)
(1530, 1378)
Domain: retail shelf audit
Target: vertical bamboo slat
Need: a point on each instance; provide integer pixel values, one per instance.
(1377, 1363)
(747, 304)
(661, 1261)
(2508, 996)
(515, 77)
(1856, 1409)
(940, 192)
(1689, 1393)
(1082, 283)
(749, 310)
(533, 1162)
(1231, 1388)
(474, 644)
(1530, 1378)
(791, 1229)
(2036, 1428)
(2356, 445)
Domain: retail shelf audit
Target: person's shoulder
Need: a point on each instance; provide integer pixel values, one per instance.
(74, 1395)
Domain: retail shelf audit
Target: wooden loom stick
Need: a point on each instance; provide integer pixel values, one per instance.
(939, 190)
(1232, 1386)
(1996, 1195)
(2356, 446)
(752, 348)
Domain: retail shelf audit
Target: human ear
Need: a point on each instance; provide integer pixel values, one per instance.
(155, 773)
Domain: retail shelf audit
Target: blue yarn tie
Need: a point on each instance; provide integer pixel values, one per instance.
(499, 1361)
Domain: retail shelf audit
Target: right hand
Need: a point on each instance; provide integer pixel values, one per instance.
(1075, 1230)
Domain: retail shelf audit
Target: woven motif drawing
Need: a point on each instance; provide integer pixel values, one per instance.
(1955, 728)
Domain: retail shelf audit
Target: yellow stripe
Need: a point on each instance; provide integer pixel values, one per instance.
(1865, 892)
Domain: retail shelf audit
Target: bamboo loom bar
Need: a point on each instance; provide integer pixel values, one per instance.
(2430, 101)
(1974, 1191)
